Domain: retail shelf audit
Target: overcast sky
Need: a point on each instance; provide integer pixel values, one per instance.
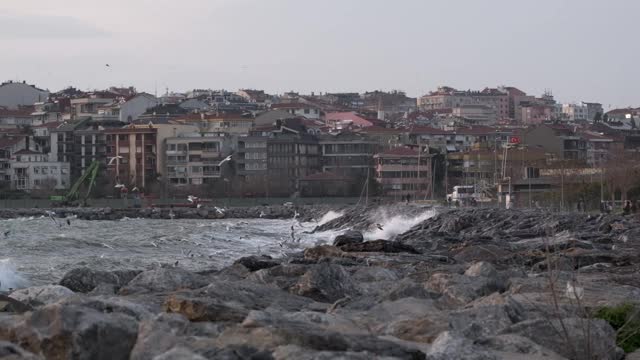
(581, 49)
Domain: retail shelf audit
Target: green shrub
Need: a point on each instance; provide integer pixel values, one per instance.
(625, 319)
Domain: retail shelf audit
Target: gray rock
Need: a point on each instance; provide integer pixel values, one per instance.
(254, 263)
(383, 246)
(295, 352)
(449, 345)
(179, 353)
(42, 295)
(325, 283)
(480, 322)
(598, 343)
(85, 279)
(518, 347)
(164, 280)
(482, 268)
(348, 237)
(204, 308)
(67, 331)
(9, 351)
(461, 289)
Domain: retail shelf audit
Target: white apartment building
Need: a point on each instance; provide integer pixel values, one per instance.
(31, 170)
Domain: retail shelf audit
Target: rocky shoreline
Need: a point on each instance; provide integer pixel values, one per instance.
(464, 284)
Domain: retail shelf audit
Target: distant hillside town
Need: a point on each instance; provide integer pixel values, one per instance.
(500, 142)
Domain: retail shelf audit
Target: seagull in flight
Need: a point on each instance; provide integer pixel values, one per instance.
(379, 227)
(107, 65)
(51, 213)
(228, 158)
(113, 158)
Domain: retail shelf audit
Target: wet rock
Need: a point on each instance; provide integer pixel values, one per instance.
(250, 295)
(349, 237)
(384, 246)
(314, 337)
(323, 251)
(179, 353)
(461, 289)
(283, 276)
(480, 322)
(65, 331)
(9, 351)
(295, 352)
(486, 252)
(481, 268)
(86, 279)
(599, 342)
(41, 295)
(11, 305)
(450, 345)
(255, 263)
(164, 280)
(164, 332)
(325, 283)
(518, 347)
(204, 309)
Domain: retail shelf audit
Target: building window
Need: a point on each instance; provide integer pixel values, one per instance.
(122, 137)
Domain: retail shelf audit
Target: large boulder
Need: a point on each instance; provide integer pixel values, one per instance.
(67, 331)
(384, 246)
(254, 263)
(179, 353)
(11, 305)
(325, 283)
(204, 308)
(41, 295)
(296, 352)
(9, 351)
(479, 322)
(86, 279)
(481, 268)
(461, 289)
(164, 280)
(583, 338)
(349, 237)
(450, 345)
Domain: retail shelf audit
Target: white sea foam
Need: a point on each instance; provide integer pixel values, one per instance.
(393, 225)
(329, 216)
(9, 276)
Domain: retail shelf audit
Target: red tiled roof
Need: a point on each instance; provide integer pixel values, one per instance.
(50, 125)
(476, 130)
(8, 142)
(348, 116)
(24, 111)
(428, 130)
(380, 130)
(400, 151)
(296, 105)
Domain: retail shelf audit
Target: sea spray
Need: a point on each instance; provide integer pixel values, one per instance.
(9, 276)
(329, 216)
(392, 225)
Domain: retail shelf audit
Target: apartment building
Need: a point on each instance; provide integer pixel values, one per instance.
(560, 141)
(403, 171)
(450, 98)
(194, 158)
(133, 151)
(30, 170)
(348, 154)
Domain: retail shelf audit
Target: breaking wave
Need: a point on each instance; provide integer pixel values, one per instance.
(329, 216)
(9, 276)
(393, 225)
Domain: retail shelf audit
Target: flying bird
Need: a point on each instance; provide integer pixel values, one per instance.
(68, 222)
(113, 158)
(228, 158)
(51, 213)
(6, 233)
(107, 65)
(379, 227)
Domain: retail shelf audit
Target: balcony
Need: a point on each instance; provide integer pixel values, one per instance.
(176, 152)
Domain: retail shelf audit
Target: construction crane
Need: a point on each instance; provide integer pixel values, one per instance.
(73, 196)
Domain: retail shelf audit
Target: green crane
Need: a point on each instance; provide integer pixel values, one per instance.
(89, 177)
